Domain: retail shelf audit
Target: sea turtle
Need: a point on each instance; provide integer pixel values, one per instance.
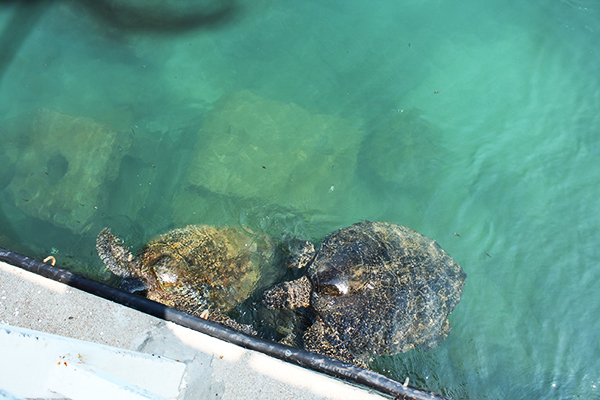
(200, 269)
(375, 289)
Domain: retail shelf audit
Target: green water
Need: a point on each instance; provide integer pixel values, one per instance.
(303, 117)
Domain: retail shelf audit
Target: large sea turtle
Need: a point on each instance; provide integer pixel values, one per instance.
(376, 289)
(200, 269)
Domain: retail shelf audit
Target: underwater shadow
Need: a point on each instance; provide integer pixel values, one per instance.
(124, 15)
(26, 14)
(170, 16)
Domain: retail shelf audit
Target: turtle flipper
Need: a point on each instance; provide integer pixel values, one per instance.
(134, 285)
(319, 339)
(115, 255)
(223, 319)
(299, 253)
(290, 295)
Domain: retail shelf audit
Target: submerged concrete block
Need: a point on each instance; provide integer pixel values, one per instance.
(253, 147)
(61, 174)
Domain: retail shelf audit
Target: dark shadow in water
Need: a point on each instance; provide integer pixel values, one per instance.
(126, 15)
(39, 239)
(24, 18)
(9, 238)
(165, 16)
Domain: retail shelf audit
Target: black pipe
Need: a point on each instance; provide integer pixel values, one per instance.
(317, 362)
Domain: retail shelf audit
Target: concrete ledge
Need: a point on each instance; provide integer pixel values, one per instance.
(213, 368)
(52, 366)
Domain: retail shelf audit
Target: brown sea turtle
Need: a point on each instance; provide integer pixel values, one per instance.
(200, 269)
(375, 289)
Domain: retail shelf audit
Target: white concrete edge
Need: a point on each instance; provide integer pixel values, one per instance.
(41, 365)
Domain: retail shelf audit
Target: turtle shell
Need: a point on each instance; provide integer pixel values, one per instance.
(201, 267)
(380, 289)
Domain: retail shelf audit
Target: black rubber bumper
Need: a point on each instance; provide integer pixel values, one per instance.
(316, 362)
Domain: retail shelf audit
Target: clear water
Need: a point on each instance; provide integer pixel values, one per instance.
(473, 118)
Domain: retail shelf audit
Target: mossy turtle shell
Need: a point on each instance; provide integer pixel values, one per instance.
(376, 289)
(383, 289)
(195, 268)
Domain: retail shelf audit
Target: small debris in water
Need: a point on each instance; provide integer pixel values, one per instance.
(51, 259)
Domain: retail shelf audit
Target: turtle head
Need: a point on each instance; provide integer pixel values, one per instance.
(164, 268)
(167, 275)
(331, 282)
(344, 262)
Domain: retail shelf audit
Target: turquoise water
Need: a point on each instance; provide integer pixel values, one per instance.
(304, 117)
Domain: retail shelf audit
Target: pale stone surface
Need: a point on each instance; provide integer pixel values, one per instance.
(252, 147)
(214, 368)
(61, 174)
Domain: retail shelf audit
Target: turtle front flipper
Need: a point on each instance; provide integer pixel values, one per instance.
(290, 295)
(322, 340)
(134, 285)
(299, 253)
(115, 255)
(223, 319)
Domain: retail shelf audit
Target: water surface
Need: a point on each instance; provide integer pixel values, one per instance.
(475, 119)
